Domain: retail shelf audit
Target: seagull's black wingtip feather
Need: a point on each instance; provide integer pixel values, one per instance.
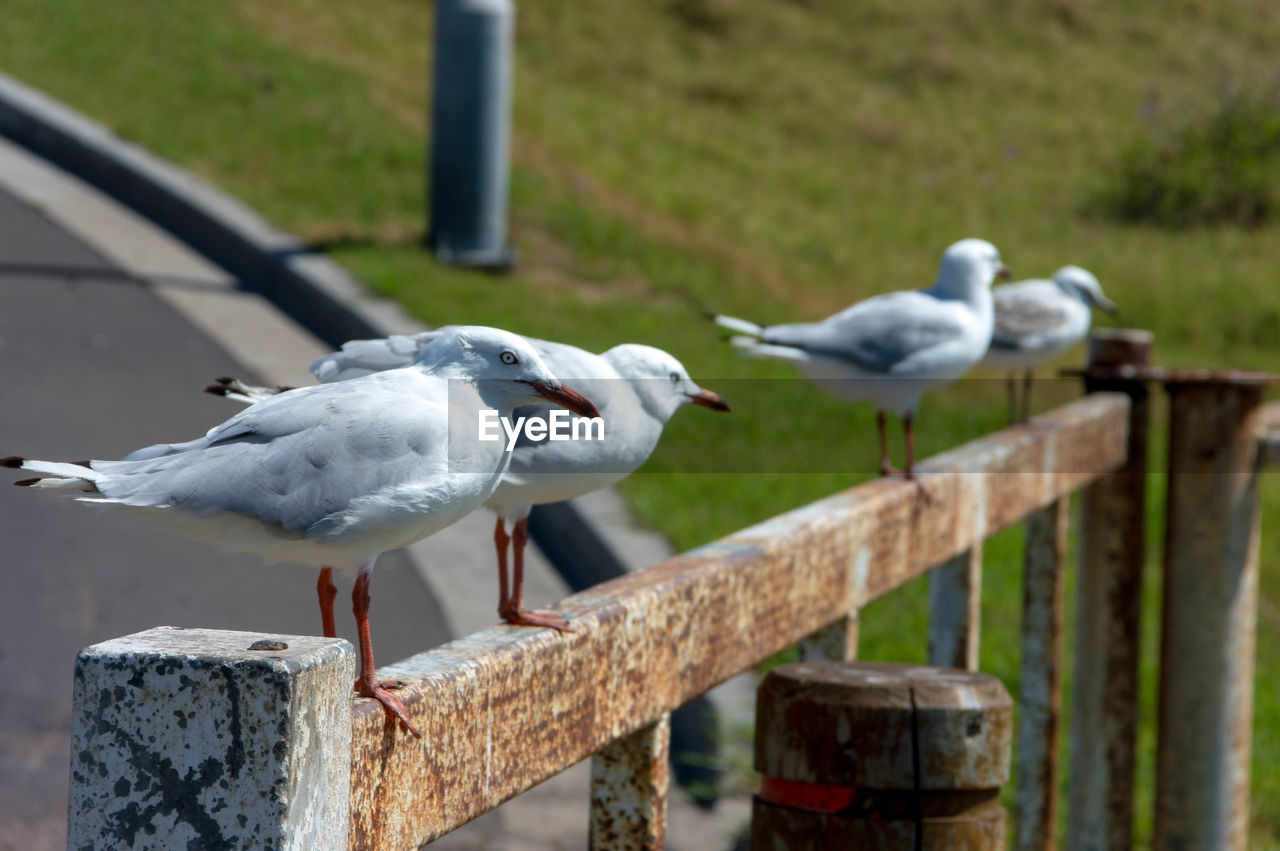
(12, 461)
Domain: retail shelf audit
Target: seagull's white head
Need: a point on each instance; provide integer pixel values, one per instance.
(506, 367)
(1083, 285)
(969, 266)
(661, 382)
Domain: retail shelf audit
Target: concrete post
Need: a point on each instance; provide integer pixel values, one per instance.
(880, 756)
(1210, 614)
(186, 738)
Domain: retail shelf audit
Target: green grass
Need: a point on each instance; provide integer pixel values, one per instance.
(775, 160)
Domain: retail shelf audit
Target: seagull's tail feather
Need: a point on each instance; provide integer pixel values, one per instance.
(238, 391)
(740, 326)
(61, 474)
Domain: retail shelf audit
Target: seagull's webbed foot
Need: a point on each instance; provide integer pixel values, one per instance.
(379, 690)
(521, 617)
(923, 491)
(389, 685)
(887, 470)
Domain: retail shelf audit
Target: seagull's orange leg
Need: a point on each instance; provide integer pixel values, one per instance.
(327, 592)
(500, 542)
(367, 685)
(1026, 396)
(909, 434)
(514, 611)
(886, 469)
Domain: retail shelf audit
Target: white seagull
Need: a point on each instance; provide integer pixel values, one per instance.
(891, 349)
(336, 474)
(636, 388)
(1037, 320)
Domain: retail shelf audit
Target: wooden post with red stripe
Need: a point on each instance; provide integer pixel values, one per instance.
(880, 756)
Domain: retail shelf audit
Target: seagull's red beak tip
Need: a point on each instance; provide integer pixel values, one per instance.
(567, 397)
(708, 399)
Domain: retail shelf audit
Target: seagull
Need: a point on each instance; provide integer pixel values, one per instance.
(637, 389)
(335, 474)
(1037, 320)
(891, 349)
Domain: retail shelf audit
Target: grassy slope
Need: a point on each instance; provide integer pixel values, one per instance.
(771, 159)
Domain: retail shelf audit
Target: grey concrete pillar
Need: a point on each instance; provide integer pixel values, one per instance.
(187, 738)
(470, 132)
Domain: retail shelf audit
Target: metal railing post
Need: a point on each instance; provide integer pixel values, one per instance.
(837, 642)
(955, 611)
(212, 739)
(1210, 613)
(1040, 697)
(1104, 706)
(629, 791)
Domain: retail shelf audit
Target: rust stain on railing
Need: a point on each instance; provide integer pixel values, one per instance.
(504, 709)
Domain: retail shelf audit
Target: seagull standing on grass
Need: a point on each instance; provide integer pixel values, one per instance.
(891, 349)
(336, 474)
(637, 389)
(1037, 320)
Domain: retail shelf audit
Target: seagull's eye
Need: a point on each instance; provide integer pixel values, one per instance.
(509, 358)
(675, 378)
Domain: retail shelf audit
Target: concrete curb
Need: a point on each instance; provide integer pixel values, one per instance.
(315, 291)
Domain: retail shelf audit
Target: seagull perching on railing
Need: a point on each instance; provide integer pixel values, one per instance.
(637, 389)
(336, 474)
(892, 349)
(1037, 320)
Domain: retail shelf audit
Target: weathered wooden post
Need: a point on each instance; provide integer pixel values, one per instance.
(1104, 707)
(186, 738)
(1210, 611)
(880, 756)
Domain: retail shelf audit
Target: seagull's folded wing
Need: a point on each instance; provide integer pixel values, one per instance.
(295, 459)
(363, 357)
(1023, 317)
(880, 335)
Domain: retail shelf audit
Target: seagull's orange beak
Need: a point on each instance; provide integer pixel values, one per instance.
(1004, 274)
(707, 399)
(566, 397)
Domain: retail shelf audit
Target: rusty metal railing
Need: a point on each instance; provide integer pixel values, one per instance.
(503, 710)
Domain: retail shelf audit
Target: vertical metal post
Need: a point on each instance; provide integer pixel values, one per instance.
(837, 642)
(470, 132)
(200, 738)
(1104, 706)
(1040, 701)
(629, 791)
(955, 611)
(1210, 613)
